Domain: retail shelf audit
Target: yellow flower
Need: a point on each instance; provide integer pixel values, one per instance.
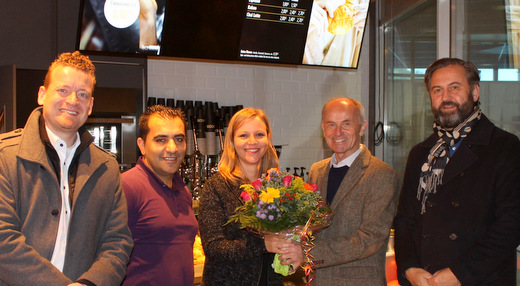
(269, 195)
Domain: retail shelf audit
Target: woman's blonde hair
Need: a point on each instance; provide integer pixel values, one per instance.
(228, 166)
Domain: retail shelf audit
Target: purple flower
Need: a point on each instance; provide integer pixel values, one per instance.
(271, 217)
(261, 214)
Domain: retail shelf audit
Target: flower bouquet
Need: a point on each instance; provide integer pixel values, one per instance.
(283, 204)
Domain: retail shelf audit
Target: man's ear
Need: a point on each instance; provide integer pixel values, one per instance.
(41, 95)
(140, 144)
(475, 93)
(91, 106)
(363, 128)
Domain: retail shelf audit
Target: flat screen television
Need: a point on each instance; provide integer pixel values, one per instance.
(512, 9)
(308, 32)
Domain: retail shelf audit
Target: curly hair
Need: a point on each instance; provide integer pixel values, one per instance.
(75, 60)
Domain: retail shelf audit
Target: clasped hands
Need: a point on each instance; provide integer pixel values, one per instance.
(290, 251)
(421, 277)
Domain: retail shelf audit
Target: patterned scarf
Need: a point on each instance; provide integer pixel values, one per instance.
(433, 170)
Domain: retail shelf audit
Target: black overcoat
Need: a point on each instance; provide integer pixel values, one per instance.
(472, 223)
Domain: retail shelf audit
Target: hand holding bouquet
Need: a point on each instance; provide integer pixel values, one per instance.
(280, 203)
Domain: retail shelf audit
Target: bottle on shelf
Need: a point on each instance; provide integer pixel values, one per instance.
(161, 101)
(197, 161)
(151, 101)
(302, 173)
(296, 171)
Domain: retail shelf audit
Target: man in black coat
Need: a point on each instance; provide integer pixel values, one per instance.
(458, 219)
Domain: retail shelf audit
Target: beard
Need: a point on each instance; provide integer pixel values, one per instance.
(449, 120)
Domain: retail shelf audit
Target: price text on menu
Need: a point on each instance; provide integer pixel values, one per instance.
(281, 11)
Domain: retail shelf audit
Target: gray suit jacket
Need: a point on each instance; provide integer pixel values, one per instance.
(99, 241)
(352, 250)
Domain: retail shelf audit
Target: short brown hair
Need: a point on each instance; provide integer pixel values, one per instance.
(75, 60)
(160, 111)
(472, 73)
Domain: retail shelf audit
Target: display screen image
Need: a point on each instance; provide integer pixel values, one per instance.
(202, 29)
(335, 32)
(122, 26)
(274, 31)
(270, 31)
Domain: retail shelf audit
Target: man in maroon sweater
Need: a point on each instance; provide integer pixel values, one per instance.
(160, 213)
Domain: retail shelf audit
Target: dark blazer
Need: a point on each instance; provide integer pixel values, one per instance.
(352, 250)
(234, 256)
(472, 223)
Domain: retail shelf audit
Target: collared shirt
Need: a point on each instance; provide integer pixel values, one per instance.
(345, 162)
(163, 227)
(454, 147)
(65, 154)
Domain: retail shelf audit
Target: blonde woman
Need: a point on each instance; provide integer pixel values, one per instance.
(233, 255)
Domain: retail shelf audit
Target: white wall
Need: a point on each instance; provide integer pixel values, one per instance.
(291, 96)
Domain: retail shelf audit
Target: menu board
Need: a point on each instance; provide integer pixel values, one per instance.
(310, 32)
(202, 28)
(274, 30)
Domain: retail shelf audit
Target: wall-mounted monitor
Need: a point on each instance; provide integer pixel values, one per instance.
(121, 26)
(309, 32)
(512, 9)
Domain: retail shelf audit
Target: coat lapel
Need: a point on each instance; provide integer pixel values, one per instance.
(89, 162)
(322, 177)
(456, 167)
(31, 147)
(354, 174)
(480, 135)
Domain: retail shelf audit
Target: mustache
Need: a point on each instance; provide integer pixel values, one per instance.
(448, 103)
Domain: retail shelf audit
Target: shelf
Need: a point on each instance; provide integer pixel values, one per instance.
(110, 120)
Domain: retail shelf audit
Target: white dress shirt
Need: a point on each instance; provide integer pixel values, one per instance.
(65, 154)
(345, 162)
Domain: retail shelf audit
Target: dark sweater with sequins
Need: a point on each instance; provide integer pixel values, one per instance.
(233, 255)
